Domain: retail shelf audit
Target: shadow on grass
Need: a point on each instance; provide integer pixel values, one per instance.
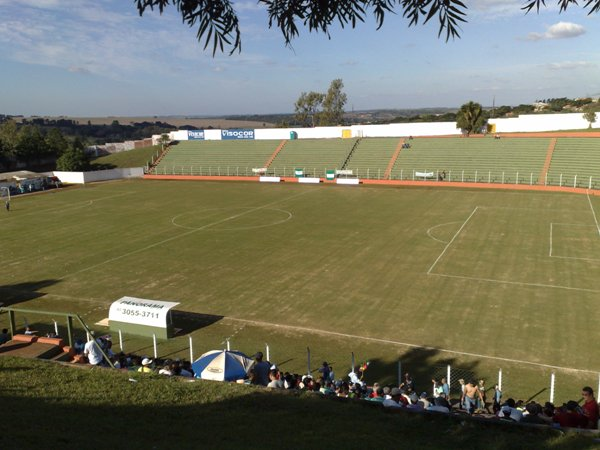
(161, 414)
(11, 294)
(189, 322)
(423, 366)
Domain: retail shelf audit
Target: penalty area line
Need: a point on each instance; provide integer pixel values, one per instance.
(518, 283)
(593, 212)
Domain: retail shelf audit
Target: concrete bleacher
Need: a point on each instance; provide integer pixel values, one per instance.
(29, 346)
(371, 157)
(474, 159)
(576, 159)
(216, 157)
(313, 156)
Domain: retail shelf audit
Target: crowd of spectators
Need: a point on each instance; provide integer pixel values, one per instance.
(473, 399)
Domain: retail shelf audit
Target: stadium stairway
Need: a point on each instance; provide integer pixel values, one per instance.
(390, 166)
(345, 164)
(275, 153)
(159, 159)
(544, 172)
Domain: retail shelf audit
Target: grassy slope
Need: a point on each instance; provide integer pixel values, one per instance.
(51, 406)
(351, 261)
(138, 157)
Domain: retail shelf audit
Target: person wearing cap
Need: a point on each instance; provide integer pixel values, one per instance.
(509, 409)
(394, 400)
(589, 408)
(423, 400)
(261, 370)
(146, 366)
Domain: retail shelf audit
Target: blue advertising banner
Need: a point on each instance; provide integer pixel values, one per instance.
(196, 135)
(237, 133)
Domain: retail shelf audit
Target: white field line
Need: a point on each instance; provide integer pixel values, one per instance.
(437, 226)
(575, 257)
(570, 225)
(551, 226)
(404, 344)
(66, 208)
(452, 240)
(164, 241)
(593, 212)
(517, 283)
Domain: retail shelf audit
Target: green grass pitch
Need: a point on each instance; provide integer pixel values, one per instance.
(480, 280)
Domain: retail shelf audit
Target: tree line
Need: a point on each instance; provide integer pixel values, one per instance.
(39, 148)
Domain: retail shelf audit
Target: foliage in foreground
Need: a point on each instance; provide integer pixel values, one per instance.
(73, 407)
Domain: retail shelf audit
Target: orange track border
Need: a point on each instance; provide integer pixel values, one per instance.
(438, 184)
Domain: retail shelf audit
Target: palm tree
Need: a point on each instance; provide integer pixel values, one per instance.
(470, 118)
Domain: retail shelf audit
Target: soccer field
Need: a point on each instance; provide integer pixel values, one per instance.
(478, 279)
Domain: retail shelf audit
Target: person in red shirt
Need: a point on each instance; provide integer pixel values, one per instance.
(568, 416)
(590, 408)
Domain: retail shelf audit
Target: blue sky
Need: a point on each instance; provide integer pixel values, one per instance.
(99, 58)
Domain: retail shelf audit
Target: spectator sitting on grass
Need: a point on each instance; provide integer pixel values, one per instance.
(121, 361)
(4, 337)
(569, 417)
(377, 394)
(93, 353)
(534, 411)
(186, 369)
(275, 382)
(423, 400)
(146, 366)
(166, 369)
(547, 413)
(514, 413)
(394, 400)
(440, 404)
(261, 370)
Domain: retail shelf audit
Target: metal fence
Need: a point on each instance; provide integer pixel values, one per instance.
(524, 177)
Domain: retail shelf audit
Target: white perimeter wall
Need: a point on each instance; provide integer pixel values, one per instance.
(523, 123)
(542, 122)
(99, 175)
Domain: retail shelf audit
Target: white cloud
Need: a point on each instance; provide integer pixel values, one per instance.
(571, 65)
(560, 30)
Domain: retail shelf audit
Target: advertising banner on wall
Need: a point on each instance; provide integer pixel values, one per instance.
(237, 133)
(196, 135)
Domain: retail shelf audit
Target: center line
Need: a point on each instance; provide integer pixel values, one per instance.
(452, 240)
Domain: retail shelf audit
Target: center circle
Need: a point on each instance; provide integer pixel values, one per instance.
(231, 218)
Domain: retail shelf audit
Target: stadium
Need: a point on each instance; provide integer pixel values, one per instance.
(409, 270)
